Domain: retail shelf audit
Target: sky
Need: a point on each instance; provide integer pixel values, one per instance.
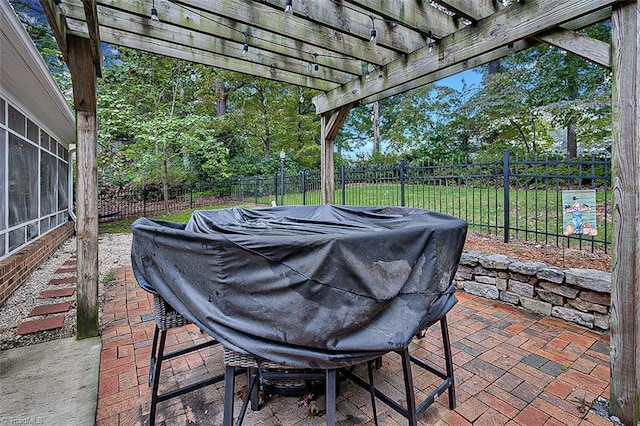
(471, 77)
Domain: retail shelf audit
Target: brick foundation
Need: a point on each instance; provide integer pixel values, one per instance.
(16, 269)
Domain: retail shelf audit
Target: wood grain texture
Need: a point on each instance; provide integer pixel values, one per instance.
(625, 279)
(511, 24)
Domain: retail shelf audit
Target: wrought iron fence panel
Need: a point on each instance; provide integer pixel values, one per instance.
(514, 197)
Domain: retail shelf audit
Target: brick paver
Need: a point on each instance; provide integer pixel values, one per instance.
(512, 367)
(60, 292)
(66, 270)
(54, 308)
(63, 280)
(34, 326)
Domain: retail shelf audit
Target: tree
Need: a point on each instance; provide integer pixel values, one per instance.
(152, 125)
(573, 91)
(35, 22)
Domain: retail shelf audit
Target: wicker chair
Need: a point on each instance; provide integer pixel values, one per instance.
(167, 318)
(260, 368)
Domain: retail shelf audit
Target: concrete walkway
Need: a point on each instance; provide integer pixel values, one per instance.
(53, 383)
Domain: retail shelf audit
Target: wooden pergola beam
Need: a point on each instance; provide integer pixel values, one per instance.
(473, 11)
(134, 41)
(330, 124)
(624, 401)
(83, 74)
(297, 28)
(116, 23)
(57, 24)
(513, 23)
(416, 14)
(589, 48)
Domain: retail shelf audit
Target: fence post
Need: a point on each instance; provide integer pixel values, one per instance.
(255, 188)
(401, 183)
(343, 185)
(304, 187)
(191, 197)
(505, 184)
(144, 201)
(275, 187)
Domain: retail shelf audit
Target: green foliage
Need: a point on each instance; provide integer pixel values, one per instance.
(35, 22)
(165, 121)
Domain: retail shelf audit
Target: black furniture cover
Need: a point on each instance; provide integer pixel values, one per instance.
(306, 286)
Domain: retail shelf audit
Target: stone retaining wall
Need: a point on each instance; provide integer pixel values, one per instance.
(581, 296)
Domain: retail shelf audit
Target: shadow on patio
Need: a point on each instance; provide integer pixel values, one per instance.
(511, 368)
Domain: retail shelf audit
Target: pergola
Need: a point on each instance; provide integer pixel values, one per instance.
(356, 52)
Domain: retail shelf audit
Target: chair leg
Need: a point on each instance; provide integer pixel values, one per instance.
(154, 349)
(156, 378)
(229, 390)
(330, 400)
(255, 389)
(408, 385)
(448, 361)
(252, 378)
(372, 389)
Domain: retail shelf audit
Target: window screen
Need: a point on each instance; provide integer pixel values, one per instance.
(48, 184)
(32, 131)
(3, 184)
(16, 121)
(23, 181)
(63, 177)
(16, 238)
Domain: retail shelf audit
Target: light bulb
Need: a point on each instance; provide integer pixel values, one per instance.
(154, 14)
(288, 7)
(245, 49)
(373, 35)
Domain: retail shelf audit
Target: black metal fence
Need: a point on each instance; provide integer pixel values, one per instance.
(128, 202)
(513, 197)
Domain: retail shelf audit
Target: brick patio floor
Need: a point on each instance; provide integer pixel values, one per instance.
(511, 368)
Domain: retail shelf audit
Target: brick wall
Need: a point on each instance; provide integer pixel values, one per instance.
(16, 269)
(581, 296)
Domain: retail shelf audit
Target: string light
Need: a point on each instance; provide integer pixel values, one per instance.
(301, 95)
(365, 69)
(315, 66)
(432, 42)
(373, 34)
(288, 7)
(510, 48)
(60, 6)
(245, 46)
(154, 11)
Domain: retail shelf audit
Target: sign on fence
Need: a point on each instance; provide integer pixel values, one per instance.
(579, 212)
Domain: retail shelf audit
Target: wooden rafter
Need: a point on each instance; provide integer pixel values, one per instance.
(419, 15)
(589, 48)
(334, 35)
(57, 24)
(518, 46)
(471, 10)
(498, 30)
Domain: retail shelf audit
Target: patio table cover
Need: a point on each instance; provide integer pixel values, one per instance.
(305, 286)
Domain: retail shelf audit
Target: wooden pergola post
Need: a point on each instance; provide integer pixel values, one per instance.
(330, 125)
(83, 72)
(625, 279)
